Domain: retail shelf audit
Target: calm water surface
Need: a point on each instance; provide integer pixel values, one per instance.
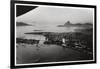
(25, 29)
(44, 53)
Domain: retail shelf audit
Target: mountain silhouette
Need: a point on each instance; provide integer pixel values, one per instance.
(21, 24)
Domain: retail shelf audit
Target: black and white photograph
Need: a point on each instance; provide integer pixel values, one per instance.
(51, 34)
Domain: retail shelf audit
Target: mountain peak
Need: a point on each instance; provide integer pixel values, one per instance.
(67, 23)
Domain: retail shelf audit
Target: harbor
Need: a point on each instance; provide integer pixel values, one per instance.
(54, 47)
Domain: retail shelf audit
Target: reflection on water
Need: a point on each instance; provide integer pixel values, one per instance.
(46, 53)
(27, 53)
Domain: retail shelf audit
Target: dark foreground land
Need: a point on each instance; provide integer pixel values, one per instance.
(77, 46)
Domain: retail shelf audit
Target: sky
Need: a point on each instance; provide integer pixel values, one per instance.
(52, 16)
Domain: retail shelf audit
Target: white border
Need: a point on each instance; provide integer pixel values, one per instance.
(59, 61)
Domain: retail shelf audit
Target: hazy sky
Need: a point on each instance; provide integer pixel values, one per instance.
(44, 15)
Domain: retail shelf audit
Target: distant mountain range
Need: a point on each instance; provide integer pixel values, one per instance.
(69, 24)
(22, 24)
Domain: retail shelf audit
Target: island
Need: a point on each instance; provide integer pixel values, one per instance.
(69, 24)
